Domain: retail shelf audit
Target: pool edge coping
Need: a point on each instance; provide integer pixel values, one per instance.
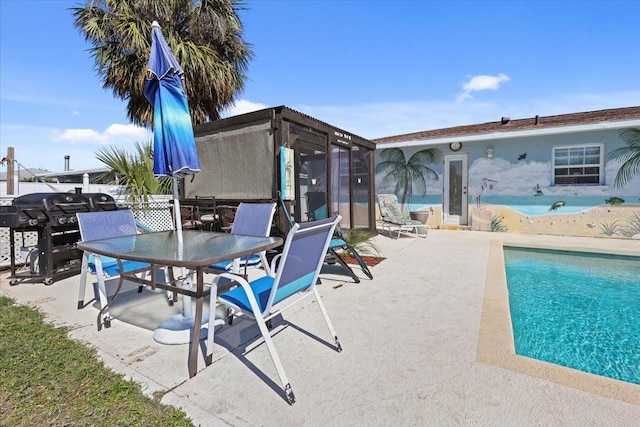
(496, 346)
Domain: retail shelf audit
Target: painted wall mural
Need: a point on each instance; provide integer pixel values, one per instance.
(510, 188)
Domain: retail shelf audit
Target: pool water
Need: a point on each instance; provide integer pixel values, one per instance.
(576, 309)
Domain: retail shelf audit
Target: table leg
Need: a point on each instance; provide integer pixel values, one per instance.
(197, 323)
(179, 328)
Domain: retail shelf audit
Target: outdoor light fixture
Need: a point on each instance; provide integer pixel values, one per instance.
(490, 153)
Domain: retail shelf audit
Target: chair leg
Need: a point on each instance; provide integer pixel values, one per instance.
(102, 292)
(212, 322)
(344, 265)
(83, 280)
(143, 275)
(363, 265)
(326, 319)
(276, 360)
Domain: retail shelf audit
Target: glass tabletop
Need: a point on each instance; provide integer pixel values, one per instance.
(197, 249)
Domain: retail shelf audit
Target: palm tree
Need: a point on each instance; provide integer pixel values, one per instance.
(135, 172)
(405, 173)
(629, 156)
(205, 37)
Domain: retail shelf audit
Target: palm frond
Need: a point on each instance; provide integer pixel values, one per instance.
(205, 37)
(135, 171)
(629, 156)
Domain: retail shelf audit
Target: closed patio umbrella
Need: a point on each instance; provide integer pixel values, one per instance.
(174, 154)
(174, 146)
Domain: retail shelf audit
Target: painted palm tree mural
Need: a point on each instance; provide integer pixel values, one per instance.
(629, 156)
(407, 175)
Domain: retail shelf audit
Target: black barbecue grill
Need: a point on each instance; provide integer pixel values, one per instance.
(53, 217)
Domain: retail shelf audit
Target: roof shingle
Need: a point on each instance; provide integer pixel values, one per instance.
(507, 125)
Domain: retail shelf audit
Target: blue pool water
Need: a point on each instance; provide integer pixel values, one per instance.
(576, 309)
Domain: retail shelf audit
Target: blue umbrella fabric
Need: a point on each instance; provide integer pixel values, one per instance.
(174, 146)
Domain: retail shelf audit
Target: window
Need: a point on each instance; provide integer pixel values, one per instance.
(578, 164)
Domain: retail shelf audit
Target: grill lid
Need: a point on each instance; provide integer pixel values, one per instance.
(100, 202)
(65, 202)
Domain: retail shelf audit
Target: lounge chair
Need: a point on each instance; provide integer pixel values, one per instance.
(392, 217)
(294, 275)
(102, 225)
(337, 243)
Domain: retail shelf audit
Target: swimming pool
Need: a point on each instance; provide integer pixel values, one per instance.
(576, 309)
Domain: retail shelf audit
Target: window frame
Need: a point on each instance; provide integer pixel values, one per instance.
(573, 173)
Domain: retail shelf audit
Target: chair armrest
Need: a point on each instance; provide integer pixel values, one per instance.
(273, 265)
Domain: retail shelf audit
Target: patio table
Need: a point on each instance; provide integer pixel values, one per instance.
(196, 252)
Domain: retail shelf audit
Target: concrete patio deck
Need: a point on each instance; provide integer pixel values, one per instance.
(418, 348)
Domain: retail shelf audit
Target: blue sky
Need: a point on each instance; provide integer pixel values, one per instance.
(373, 68)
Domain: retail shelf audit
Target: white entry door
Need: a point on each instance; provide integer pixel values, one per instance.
(456, 203)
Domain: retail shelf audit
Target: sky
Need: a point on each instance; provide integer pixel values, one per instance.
(373, 68)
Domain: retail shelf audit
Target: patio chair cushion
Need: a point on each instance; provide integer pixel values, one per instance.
(110, 265)
(391, 215)
(390, 211)
(253, 261)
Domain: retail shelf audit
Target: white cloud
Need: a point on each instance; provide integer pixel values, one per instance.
(243, 106)
(481, 82)
(79, 135)
(129, 132)
(114, 134)
(45, 148)
(518, 179)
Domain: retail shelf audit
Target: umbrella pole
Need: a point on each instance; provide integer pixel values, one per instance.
(187, 309)
(178, 329)
(176, 209)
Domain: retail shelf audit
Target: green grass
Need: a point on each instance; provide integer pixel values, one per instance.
(48, 379)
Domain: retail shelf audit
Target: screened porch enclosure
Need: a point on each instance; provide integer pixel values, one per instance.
(331, 170)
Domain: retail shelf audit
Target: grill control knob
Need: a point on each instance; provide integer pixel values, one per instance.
(33, 222)
(73, 220)
(62, 220)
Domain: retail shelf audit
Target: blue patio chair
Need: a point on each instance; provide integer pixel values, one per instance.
(294, 275)
(102, 225)
(252, 219)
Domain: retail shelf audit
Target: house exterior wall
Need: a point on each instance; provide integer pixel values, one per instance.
(519, 189)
